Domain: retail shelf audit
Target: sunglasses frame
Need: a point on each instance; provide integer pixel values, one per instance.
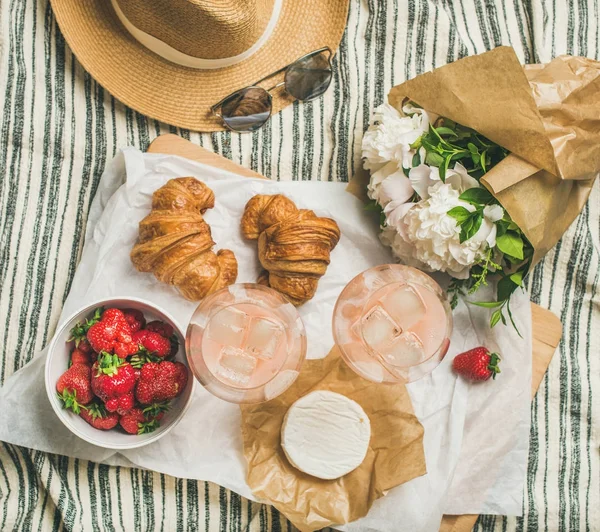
(215, 109)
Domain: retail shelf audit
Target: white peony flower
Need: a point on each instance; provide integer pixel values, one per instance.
(423, 177)
(424, 236)
(390, 135)
(389, 183)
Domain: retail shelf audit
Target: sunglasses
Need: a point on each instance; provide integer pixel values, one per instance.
(249, 108)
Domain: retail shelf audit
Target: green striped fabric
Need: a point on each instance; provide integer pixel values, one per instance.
(58, 129)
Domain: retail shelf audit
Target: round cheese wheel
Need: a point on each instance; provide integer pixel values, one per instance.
(325, 434)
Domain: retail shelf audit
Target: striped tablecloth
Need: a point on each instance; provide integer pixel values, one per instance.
(58, 129)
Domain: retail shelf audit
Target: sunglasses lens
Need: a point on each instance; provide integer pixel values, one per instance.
(247, 109)
(309, 77)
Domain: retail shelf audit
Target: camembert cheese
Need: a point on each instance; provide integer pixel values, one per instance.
(325, 434)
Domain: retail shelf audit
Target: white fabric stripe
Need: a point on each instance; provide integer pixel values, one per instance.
(175, 56)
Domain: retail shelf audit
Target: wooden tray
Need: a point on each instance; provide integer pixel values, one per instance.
(547, 328)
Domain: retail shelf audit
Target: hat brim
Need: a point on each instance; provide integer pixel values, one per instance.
(179, 95)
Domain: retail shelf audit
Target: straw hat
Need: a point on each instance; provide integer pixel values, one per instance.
(173, 59)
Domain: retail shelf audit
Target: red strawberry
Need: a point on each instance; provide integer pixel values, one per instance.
(137, 421)
(113, 381)
(74, 388)
(112, 334)
(97, 416)
(79, 357)
(80, 329)
(153, 343)
(477, 364)
(84, 346)
(160, 381)
(135, 318)
(160, 327)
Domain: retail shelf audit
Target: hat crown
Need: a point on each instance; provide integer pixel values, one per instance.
(206, 29)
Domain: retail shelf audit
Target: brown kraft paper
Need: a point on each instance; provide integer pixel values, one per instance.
(395, 453)
(547, 116)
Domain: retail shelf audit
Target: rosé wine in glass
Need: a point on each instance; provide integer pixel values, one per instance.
(392, 324)
(246, 343)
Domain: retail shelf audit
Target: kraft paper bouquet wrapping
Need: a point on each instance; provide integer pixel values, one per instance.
(395, 452)
(485, 124)
(547, 116)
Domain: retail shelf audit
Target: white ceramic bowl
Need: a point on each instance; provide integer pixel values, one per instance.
(58, 360)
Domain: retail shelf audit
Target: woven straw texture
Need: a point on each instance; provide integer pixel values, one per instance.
(183, 96)
(228, 28)
(58, 128)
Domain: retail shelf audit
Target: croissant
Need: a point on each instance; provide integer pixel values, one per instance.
(293, 244)
(175, 242)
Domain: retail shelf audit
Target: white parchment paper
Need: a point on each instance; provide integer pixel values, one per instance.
(476, 435)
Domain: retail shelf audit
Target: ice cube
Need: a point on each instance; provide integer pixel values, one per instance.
(264, 337)
(235, 365)
(378, 328)
(405, 305)
(227, 327)
(406, 351)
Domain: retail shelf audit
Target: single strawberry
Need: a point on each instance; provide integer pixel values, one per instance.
(153, 343)
(85, 347)
(80, 329)
(160, 382)
(477, 364)
(112, 334)
(135, 318)
(97, 416)
(113, 381)
(79, 357)
(74, 388)
(160, 327)
(138, 422)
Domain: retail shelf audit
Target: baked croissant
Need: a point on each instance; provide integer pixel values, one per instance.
(175, 242)
(293, 244)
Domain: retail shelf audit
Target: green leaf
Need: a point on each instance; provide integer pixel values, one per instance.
(505, 288)
(510, 244)
(495, 318)
(406, 171)
(471, 226)
(517, 278)
(446, 131)
(460, 214)
(416, 160)
(472, 148)
(512, 320)
(477, 196)
(486, 304)
(372, 206)
(444, 168)
(434, 159)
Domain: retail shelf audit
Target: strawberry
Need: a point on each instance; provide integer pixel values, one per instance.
(73, 387)
(85, 347)
(477, 364)
(113, 381)
(97, 416)
(80, 329)
(135, 318)
(152, 343)
(112, 334)
(80, 357)
(167, 331)
(160, 381)
(137, 421)
(160, 327)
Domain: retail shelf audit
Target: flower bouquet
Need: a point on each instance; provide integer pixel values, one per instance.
(464, 187)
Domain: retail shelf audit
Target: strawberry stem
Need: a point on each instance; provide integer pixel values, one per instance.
(69, 400)
(493, 365)
(148, 426)
(156, 408)
(108, 364)
(80, 329)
